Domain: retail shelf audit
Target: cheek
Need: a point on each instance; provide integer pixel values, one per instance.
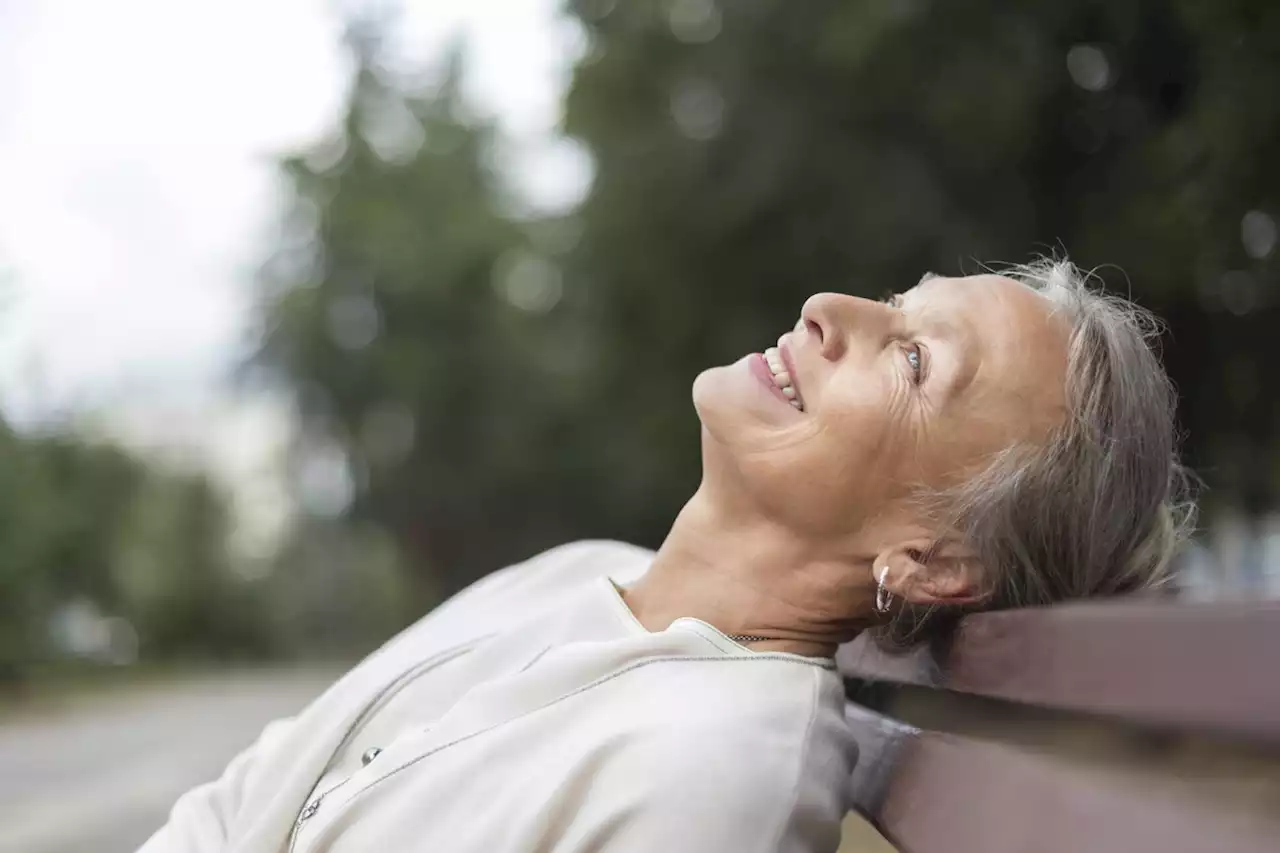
(867, 420)
(823, 481)
(822, 474)
(818, 494)
(856, 459)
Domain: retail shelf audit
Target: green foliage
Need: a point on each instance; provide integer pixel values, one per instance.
(173, 577)
(850, 146)
(403, 340)
(339, 589)
(498, 382)
(84, 525)
(25, 592)
(501, 383)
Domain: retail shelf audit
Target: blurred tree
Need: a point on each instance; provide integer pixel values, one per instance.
(337, 590)
(86, 528)
(173, 576)
(91, 487)
(418, 330)
(749, 154)
(26, 532)
(492, 384)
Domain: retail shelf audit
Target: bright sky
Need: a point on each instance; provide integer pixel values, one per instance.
(137, 192)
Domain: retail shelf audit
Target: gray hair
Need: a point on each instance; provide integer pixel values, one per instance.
(1102, 505)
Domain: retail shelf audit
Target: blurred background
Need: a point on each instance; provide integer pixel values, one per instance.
(312, 312)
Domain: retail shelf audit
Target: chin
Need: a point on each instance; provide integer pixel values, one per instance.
(713, 399)
(732, 409)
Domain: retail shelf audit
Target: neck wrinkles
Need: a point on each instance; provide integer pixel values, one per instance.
(746, 576)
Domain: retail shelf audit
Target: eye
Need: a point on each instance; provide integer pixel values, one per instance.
(914, 357)
(916, 361)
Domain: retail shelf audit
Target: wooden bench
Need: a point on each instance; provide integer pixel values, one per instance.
(1089, 728)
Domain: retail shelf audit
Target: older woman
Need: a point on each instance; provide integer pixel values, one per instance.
(972, 443)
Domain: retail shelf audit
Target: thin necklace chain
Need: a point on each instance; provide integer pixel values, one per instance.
(748, 638)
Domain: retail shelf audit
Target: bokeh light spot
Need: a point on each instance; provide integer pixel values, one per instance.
(1239, 292)
(354, 321)
(325, 485)
(387, 433)
(327, 154)
(528, 281)
(596, 10)
(698, 109)
(1089, 67)
(694, 21)
(1258, 233)
(392, 131)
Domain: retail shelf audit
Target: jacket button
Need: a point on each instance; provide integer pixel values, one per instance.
(369, 754)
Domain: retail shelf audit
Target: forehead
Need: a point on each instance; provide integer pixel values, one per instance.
(969, 298)
(1011, 344)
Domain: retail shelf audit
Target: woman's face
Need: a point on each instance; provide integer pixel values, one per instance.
(920, 389)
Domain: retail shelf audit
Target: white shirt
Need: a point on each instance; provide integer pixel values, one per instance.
(532, 712)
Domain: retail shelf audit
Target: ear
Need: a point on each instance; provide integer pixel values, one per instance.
(926, 572)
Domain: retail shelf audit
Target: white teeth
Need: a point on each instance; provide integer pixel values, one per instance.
(781, 377)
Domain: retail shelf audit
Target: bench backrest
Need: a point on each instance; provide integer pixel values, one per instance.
(1130, 727)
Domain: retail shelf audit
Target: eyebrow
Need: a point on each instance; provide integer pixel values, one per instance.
(960, 337)
(963, 344)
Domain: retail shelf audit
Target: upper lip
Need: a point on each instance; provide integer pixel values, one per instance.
(785, 351)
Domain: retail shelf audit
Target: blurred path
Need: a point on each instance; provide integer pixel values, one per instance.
(101, 777)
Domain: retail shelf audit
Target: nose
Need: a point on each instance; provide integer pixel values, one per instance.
(832, 317)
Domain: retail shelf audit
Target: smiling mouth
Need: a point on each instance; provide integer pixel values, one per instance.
(782, 378)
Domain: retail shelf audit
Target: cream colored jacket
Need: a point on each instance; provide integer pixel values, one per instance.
(677, 741)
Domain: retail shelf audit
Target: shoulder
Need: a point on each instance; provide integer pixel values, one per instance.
(768, 751)
(563, 567)
(539, 582)
(573, 561)
(595, 556)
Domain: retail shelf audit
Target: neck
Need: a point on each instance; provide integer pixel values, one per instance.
(748, 575)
